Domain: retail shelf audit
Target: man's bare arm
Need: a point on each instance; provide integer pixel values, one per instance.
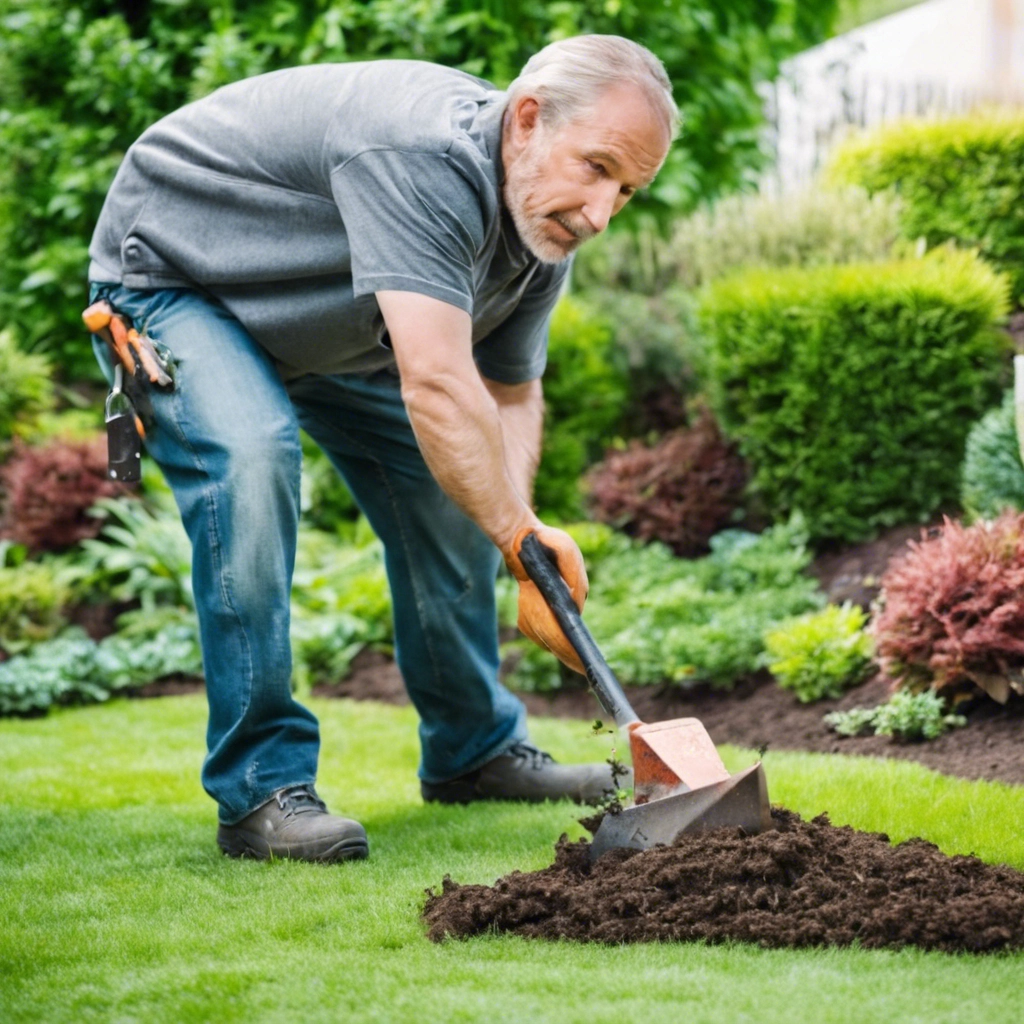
(521, 410)
(454, 416)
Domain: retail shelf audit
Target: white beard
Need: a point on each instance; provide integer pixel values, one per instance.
(520, 181)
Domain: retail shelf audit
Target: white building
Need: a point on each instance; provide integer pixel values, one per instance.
(934, 59)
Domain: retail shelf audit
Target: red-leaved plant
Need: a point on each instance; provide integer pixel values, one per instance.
(952, 610)
(680, 491)
(48, 490)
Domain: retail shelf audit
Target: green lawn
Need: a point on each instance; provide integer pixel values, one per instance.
(117, 905)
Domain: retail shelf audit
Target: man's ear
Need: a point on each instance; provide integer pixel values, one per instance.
(525, 118)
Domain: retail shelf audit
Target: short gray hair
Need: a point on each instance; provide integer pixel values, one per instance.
(568, 76)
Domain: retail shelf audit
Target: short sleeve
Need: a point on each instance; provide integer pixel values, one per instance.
(516, 351)
(413, 222)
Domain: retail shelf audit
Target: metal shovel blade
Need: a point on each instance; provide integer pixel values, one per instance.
(740, 800)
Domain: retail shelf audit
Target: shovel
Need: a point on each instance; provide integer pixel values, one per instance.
(679, 782)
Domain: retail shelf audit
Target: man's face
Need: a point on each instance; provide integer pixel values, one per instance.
(563, 184)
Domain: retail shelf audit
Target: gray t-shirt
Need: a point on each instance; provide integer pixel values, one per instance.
(293, 196)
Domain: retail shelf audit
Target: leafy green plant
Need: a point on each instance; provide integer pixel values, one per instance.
(993, 475)
(851, 389)
(139, 556)
(952, 614)
(905, 716)
(660, 618)
(820, 654)
(585, 394)
(26, 390)
(57, 671)
(32, 599)
(958, 180)
(327, 503)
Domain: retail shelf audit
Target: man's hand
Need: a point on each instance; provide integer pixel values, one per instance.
(536, 620)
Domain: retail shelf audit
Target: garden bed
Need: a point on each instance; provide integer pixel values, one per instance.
(757, 714)
(800, 884)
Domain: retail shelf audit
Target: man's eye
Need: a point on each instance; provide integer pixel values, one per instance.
(596, 168)
(627, 191)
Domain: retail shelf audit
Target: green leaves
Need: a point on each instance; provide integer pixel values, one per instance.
(820, 654)
(851, 389)
(906, 716)
(959, 180)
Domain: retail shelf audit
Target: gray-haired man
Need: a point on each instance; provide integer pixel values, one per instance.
(370, 252)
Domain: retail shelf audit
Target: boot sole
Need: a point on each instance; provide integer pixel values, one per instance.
(235, 843)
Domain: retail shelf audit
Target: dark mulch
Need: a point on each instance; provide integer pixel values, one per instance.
(802, 884)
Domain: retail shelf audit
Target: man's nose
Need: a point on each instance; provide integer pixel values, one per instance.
(600, 205)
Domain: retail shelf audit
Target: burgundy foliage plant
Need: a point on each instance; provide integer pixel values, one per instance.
(48, 490)
(953, 609)
(680, 491)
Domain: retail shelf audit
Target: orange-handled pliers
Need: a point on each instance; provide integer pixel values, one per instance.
(131, 348)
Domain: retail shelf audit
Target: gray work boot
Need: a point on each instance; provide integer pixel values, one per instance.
(525, 773)
(295, 824)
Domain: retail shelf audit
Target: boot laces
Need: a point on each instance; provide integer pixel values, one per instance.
(528, 752)
(300, 800)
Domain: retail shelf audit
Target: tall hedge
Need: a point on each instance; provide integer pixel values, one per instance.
(960, 180)
(851, 389)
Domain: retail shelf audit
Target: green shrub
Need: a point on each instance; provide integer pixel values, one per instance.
(140, 555)
(73, 669)
(993, 475)
(809, 229)
(656, 340)
(57, 671)
(959, 180)
(659, 618)
(906, 716)
(585, 395)
(32, 598)
(851, 389)
(25, 388)
(820, 654)
(327, 503)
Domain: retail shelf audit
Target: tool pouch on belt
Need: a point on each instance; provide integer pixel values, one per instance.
(138, 366)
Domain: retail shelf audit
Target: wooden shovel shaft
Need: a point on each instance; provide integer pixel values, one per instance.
(538, 561)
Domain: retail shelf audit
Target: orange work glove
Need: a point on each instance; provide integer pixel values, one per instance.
(536, 620)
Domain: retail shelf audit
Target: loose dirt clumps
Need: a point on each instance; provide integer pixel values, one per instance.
(801, 884)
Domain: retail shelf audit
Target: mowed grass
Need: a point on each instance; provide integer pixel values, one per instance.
(117, 905)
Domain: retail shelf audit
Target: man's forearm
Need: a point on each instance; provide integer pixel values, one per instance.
(460, 433)
(454, 416)
(521, 411)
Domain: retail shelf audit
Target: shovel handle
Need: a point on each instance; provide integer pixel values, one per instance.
(537, 561)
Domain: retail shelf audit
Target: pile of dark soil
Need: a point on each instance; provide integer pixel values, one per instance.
(801, 884)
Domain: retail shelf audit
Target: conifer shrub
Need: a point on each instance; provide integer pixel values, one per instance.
(959, 180)
(851, 389)
(681, 490)
(952, 610)
(48, 491)
(993, 475)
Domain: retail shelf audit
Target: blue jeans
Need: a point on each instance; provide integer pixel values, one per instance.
(227, 440)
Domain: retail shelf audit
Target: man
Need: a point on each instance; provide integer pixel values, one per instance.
(371, 252)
